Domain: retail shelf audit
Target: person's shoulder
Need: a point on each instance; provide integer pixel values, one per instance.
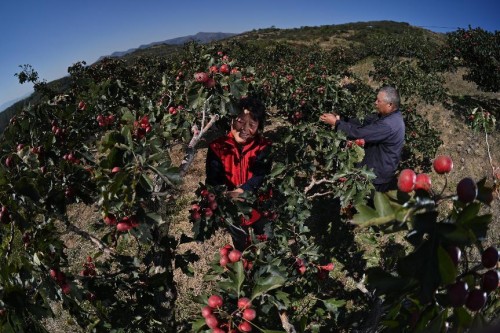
(221, 141)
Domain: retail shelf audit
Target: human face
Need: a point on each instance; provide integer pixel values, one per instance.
(383, 107)
(244, 127)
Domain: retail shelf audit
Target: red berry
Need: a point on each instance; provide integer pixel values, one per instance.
(225, 250)
(66, 288)
(208, 212)
(457, 293)
(466, 190)
(201, 77)
(234, 255)
(210, 83)
(123, 226)
(215, 301)
(224, 260)
(360, 142)
(443, 164)
(245, 327)
(110, 219)
(476, 300)
(116, 169)
(211, 321)
(490, 280)
(224, 69)
(244, 303)
(249, 314)
(406, 180)
(302, 270)
(490, 257)
(206, 311)
(423, 182)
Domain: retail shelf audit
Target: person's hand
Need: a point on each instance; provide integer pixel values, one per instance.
(329, 118)
(234, 194)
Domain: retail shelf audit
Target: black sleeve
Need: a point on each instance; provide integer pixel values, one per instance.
(260, 168)
(214, 169)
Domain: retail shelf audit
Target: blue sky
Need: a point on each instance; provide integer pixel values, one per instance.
(51, 35)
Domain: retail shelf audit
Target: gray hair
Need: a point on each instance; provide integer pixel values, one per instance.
(391, 95)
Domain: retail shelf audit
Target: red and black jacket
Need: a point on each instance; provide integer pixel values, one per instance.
(243, 166)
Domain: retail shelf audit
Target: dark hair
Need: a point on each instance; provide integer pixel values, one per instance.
(391, 95)
(256, 108)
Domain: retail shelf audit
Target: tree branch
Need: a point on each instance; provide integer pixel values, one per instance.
(11, 240)
(285, 323)
(103, 247)
(315, 182)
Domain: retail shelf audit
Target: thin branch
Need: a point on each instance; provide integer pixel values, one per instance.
(319, 194)
(315, 182)
(285, 323)
(103, 247)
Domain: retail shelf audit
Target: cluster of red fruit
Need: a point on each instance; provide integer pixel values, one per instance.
(222, 320)
(357, 142)
(58, 131)
(322, 270)
(142, 127)
(70, 157)
(104, 121)
(125, 224)
(458, 292)
(207, 206)
(173, 110)
(409, 181)
(60, 279)
(88, 268)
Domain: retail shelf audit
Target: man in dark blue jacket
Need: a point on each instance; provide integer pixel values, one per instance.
(383, 133)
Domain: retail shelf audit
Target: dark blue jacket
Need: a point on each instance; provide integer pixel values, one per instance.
(384, 139)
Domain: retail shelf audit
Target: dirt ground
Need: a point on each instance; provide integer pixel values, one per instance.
(468, 151)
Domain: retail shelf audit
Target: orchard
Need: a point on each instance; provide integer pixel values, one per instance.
(109, 142)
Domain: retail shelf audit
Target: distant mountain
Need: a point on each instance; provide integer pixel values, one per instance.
(202, 37)
(12, 102)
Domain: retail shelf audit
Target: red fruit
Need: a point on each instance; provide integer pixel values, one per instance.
(211, 321)
(53, 273)
(249, 314)
(443, 164)
(210, 83)
(225, 69)
(211, 197)
(457, 293)
(213, 205)
(328, 267)
(123, 226)
(215, 301)
(110, 219)
(208, 212)
(82, 105)
(204, 192)
(301, 270)
(476, 300)
(360, 142)
(466, 190)
(116, 169)
(20, 147)
(490, 257)
(245, 327)
(213, 69)
(244, 303)
(225, 250)
(201, 77)
(9, 162)
(423, 182)
(206, 311)
(66, 288)
(224, 260)
(195, 215)
(172, 110)
(218, 330)
(406, 180)
(455, 254)
(490, 280)
(234, 255)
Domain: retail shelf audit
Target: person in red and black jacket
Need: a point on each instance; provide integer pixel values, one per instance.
(240, 160)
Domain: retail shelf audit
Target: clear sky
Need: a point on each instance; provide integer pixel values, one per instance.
(51, 35)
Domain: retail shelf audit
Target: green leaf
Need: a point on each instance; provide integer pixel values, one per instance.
(263, 285)
(365, 213)
(277, 169)
(382, 204)
(447, 269)
(197, 325)
(468, 213)
(333, 304)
